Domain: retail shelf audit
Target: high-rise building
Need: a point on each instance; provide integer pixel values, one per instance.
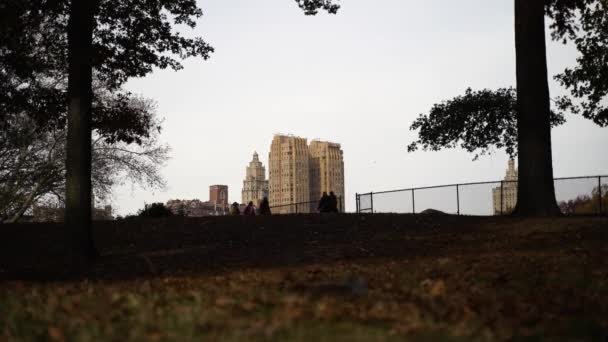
(326, 171)
(288, 173)
(255, 185)
(299, 173)
(218, 195)
(508, 190)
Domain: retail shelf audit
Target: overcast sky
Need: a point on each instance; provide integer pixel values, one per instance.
(358, 78)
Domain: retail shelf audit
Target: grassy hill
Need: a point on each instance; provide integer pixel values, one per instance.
(312, 277)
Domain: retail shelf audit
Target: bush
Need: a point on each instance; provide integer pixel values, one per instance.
(155, 210)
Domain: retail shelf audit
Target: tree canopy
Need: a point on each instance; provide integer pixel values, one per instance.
(312, 7)
(478, 121)
(130, 38)
(481, 121)
(32, 158)
(584, 23)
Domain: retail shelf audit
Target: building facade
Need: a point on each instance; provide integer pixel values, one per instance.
(255, 185)
(55, 213)
(288, 174)
(508, 189)
(326, 171)
(216, 206)
(195, 208)
(300, 173)
(218, 195)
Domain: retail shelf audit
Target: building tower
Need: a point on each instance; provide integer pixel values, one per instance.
(218, 195)
(255, 185)
(288, 174)
(506, 204)
(326, 171)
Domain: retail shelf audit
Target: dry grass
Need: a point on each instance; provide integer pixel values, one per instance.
(452, 280)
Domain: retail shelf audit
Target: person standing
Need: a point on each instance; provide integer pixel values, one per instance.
(234, 209)
(265, 207)
(333, 203)
(323, 203)
(249, 210)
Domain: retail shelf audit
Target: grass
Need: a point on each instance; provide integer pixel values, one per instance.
(530, 281)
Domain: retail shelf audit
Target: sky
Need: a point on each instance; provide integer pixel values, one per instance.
(358, 78)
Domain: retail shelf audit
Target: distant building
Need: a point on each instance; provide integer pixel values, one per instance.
(255, 185)
(195, 208)
(299, 173)
(326, 171)
(216, 206)
(55, 213)
(218, 195)
(508, 190)
(288, 173)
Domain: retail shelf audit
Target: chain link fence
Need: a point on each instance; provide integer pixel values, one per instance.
(575, 196)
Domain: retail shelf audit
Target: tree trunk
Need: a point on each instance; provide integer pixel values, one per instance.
(78, 211)
(536, 192)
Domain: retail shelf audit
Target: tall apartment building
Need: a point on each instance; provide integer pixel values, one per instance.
(326, 171)
(300, 173)
(255, 185)
(218, 195)
(508, 191)
(288, 173)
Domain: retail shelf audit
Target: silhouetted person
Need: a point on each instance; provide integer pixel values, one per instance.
(333, 203)
(249, 210)
(323, 203)
(234, 209)
(265, 207)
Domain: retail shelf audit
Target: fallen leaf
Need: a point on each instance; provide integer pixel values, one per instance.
(55, 334)
(437, 289)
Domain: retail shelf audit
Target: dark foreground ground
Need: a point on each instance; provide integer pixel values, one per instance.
(312, 278)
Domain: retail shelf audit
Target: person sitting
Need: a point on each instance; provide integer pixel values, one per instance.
(265, 207)
(234, 209)
(249, 210)
(323, 203)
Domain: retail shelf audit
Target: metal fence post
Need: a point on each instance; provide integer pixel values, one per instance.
(357, 202)
(457, 200)
(371, 201)
(501, 196)
(413, 203)
(296, 208)
(599, 190)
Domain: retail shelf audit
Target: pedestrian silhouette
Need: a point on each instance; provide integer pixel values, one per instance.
(333, 203)
(323, 203)
(249, 210)
(234, 209)
(265, 207)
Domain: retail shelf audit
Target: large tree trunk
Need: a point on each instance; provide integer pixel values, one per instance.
(78, 211)
(536, 192)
